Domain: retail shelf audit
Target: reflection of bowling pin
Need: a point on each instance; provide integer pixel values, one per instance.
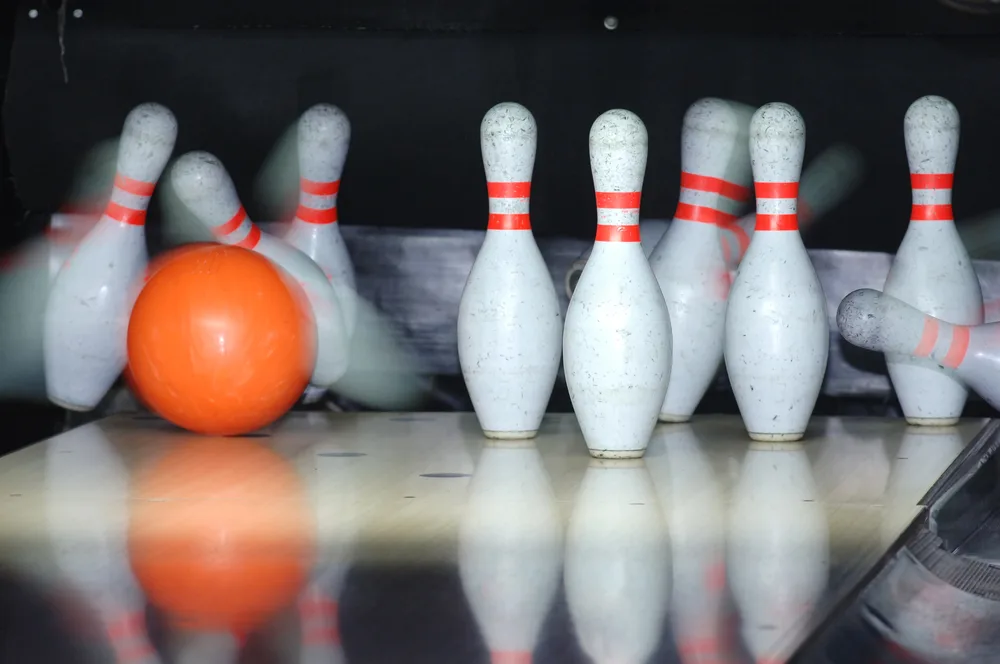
(616, 343)
(777, 338)
(331, 475)
(692, 502)
(87, 517)
(924, 454)
(509, 324)
(510, 549)
(688, 261)
(324, 134)
(617, 573)
(779, 552)
(86, 317)
(202, 183)
(932, 270)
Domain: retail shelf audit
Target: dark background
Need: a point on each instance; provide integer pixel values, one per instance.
(416, 78)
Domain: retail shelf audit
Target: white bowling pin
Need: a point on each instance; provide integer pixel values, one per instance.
(509, 322)
(203, 185)
(777, 337)
(882, 323)
(324, 134)
(932, 270)
(694, 506)
(688, 261)
(617, 567)
(510, 549)
(617, 339)
(86, 509)
(86, 317)
(778, 549)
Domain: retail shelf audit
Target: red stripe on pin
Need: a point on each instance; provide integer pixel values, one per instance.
(134, 187)
(252, 238)
(777, 189)
(509, 222)
(125, 215)
(928, 339)
(702, 214)
(959, 347)
(931, 212)
(231, 225)
(619, 200)
(714, 185)
(316, 215)
(319, 188)
(776, 222)
(932, 180)
(612, 233)
(508, 189)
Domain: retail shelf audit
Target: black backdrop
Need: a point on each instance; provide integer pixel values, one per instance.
(416, 97)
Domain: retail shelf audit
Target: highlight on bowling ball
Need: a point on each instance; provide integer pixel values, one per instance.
(221, 341)
(221, 534)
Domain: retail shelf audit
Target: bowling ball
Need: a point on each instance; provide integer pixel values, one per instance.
(221, 341)
(221, 534)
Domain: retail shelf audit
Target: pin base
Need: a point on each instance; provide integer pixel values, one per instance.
(510, 435)
(618, 454)
(675, 419)
(71, 406)
(932, 421)
(776, 437)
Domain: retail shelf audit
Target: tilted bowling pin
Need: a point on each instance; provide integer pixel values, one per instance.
(688, 262)
(324, 134)
(777, 337)
(617, 566)
(510, 549)
(86, 317)
(778, 550)
(203, 185)
(616, 343)
(509, 323)
(882, 323)
(932, 270)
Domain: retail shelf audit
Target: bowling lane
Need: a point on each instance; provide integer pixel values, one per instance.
(415, 526)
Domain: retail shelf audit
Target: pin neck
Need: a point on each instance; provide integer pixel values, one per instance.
(317, 201)
(700, 196)
(509, 204)
(777, 206)
(239, 231)
(953, 351)
(931, 196)
(129, 200)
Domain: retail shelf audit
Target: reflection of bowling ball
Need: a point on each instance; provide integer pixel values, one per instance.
(220, 534)
(220, 340)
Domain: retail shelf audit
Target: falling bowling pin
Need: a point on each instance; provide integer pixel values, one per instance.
(86, 317)
(932, 270)
(617, 339)
(882, 323)
(324, 134)
(777, 339)
(688, 261)
(203, 185)
(509, 323)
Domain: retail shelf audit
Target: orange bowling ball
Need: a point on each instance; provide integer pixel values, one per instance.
(221, 341)
(221, 534)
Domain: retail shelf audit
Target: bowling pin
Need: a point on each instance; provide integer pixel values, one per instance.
(324, 134)
(882, 323)
(688, 261)
(617, 566)
(201, 182)
(932, 270)
(777, 338)
(510, 549)
(509, 320)
(616, 343)
(779, 549)
(86, 317)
